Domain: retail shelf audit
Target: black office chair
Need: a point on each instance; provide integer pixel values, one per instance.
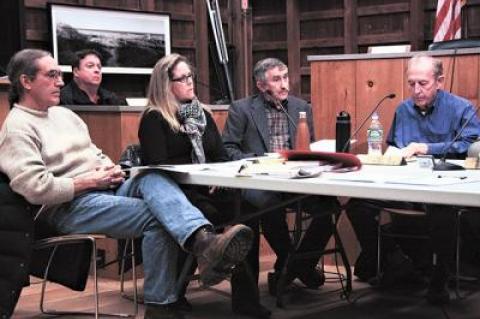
(36, 248)
(54, 253)
(419, 214)
(16, 239)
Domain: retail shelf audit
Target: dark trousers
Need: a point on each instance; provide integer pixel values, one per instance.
(275, 228)
(439, 226)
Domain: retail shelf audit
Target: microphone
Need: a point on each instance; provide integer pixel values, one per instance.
(442, 164)
(388, 96)
(268, 96)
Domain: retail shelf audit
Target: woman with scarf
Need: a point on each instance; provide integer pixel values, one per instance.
(177, 129)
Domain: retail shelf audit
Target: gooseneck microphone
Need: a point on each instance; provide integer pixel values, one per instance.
(442, 164)
(388, 96)
(268, 96)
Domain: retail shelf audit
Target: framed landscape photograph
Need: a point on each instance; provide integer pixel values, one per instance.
(130, 42)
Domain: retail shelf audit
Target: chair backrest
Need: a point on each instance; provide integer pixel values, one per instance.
(72, 263)
(16, 238)
(454, 44)
(131, 156)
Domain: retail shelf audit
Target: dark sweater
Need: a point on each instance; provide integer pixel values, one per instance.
(161, 145)
(71, 94)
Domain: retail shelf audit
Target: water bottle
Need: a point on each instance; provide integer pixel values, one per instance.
(342, 132)
(375, 136)
(302, 139)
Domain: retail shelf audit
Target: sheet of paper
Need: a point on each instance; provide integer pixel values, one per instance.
(326, 145)
(433, 180)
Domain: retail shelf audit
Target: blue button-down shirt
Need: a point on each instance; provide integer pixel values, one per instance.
(437, 127)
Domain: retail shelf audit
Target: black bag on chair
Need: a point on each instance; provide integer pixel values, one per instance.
(16, 237)
(71, 263)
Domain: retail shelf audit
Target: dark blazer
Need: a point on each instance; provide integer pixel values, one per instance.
(246, 131)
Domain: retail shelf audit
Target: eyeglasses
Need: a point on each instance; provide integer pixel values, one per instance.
(183, 79)
(54, 75)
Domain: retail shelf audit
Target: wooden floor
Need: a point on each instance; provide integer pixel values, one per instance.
(365, 302)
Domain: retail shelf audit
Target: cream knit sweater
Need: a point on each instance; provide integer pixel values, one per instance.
(41, 152)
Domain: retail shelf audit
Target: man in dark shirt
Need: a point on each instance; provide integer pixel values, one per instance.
(426, 123)
(84, 89)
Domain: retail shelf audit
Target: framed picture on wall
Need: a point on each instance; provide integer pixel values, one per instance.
(130, 42)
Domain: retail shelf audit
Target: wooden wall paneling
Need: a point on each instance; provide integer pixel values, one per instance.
(293, 40)
(4, 105)
(466, 84)
(448, 66)
(269, 33)
(350, 27)
(201, 50)
(241, 31)
(416, 22)
(406, 90)
(105, 131)
(374, 80)
(470, 23)
(185, 6)
(147, 5)
(332, 94)
(220, 117)
(12, 35)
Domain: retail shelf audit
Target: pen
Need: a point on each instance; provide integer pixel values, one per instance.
(446, 176)
(242, 167)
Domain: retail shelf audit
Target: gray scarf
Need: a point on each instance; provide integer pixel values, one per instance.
(193, 123)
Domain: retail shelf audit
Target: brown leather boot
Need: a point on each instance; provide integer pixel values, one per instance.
(219, 253)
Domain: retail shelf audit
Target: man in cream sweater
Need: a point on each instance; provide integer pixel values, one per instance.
(50, 160)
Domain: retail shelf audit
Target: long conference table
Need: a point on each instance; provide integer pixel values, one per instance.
(401, 183)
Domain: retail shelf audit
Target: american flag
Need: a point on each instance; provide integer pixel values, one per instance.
(448, 21)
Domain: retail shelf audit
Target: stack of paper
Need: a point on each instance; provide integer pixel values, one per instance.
(296, 169)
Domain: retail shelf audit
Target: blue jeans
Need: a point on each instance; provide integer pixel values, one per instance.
(151, 205)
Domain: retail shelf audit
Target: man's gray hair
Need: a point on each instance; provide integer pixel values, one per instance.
(264, 65)
(23, 62)
(437, 64)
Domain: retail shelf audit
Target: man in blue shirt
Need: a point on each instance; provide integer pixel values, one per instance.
(426, 123)
(429, 120)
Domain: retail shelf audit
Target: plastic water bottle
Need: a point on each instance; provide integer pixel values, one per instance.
(375, 136)
(302, 140)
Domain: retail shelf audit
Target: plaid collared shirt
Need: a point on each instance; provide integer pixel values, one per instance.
(278, 128)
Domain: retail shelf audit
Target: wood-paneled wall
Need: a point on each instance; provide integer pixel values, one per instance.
(294, 29)
(288, 29)
(188, 27)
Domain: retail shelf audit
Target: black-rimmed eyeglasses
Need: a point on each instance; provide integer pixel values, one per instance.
(184, 78)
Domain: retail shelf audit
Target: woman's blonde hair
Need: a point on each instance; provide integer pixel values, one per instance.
(160, 96)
